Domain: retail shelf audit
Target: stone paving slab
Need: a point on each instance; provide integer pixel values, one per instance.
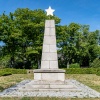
(82, 91)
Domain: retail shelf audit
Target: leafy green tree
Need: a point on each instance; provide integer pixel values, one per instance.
(89, 44)
(68, 36)
(77, 44)
(22, 32)
(9, 35)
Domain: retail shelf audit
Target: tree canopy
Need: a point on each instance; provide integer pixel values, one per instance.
(23, 31)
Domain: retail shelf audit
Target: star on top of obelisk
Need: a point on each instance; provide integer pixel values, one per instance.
(49, 11)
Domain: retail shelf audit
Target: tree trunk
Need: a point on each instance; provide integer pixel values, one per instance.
(68, 64)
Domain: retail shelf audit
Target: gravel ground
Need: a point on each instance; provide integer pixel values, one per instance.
(86, 92)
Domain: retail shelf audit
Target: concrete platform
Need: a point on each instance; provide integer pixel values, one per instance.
(48, 86)
(67, 89)
(49, 74)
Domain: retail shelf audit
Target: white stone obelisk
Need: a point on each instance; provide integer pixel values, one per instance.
(49, 51)
(49, 63)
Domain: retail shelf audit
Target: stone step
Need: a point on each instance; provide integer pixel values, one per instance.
(49, 83)
(45, 82)
(49, 86)
(51, 90)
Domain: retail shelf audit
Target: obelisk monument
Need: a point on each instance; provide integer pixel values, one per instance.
(49, 62)
(49, 80)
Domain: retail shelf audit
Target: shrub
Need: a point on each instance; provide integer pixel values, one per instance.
(95, 63)
(75, 65)
(6, 73)
(98, 72)
(18, 71)
(9, 71)
(2, 73)
(82, 70)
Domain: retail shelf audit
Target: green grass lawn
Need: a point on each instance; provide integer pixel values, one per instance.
(91, 80)
(7, 81)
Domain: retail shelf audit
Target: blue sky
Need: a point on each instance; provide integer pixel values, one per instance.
(78, 11)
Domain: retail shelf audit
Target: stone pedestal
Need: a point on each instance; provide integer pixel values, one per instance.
(49, 75)
(49, 62)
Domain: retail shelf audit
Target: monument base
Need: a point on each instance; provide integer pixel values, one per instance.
(49, 74)
(41, 85)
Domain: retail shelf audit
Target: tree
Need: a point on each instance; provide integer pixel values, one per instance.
(22, 32)
(68, 36)
(77, 45)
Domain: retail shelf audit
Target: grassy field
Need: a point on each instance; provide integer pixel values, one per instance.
(7, 81)
(91, 80)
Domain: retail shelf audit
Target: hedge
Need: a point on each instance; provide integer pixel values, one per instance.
(9, 71)
(5, 73)
(98, 72)
(83, 71)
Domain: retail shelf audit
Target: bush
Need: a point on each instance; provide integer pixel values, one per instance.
(98, 72)
(9, 71)
(82, 70)
(18, 71)
(2, 73)
(6, 73)
(95, 63)
(75, 65)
